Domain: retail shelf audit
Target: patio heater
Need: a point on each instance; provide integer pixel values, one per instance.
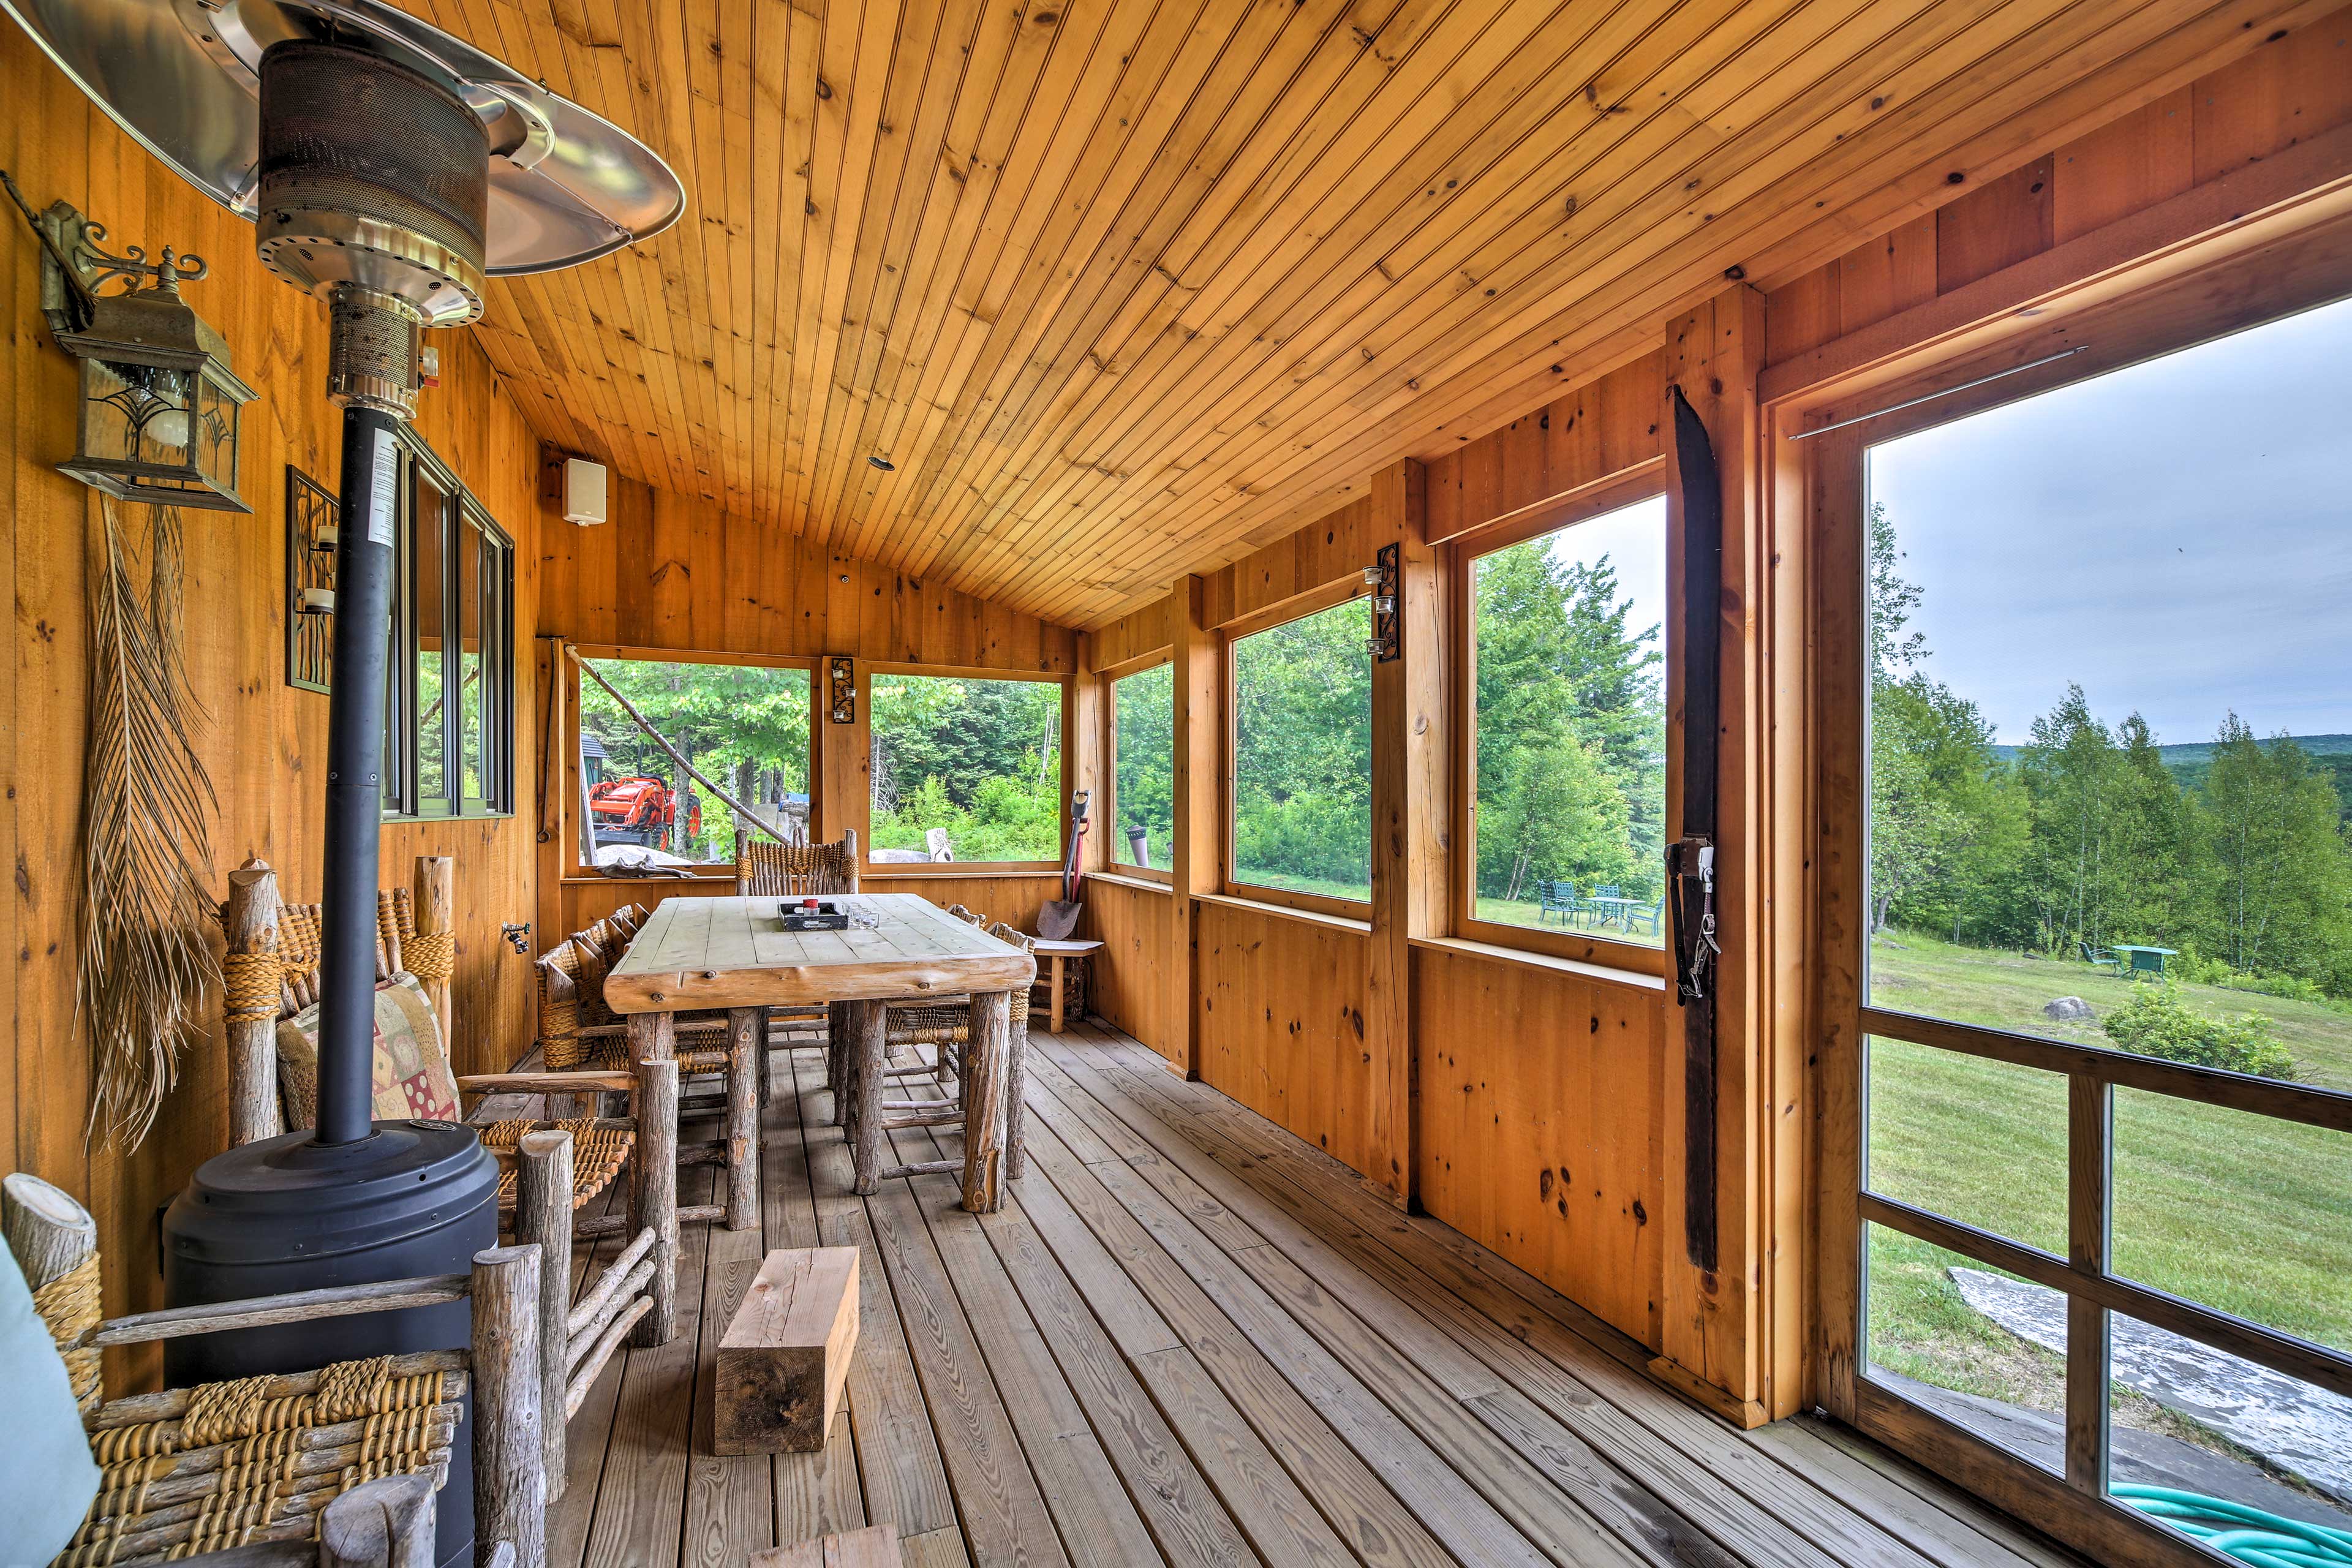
(389, 168)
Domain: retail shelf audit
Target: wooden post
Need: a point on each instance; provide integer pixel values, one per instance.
(1735, 1336)
(50, 1235)
(436, 895)
(1196, 852)
(860, 1088)
(844, 787)
(987, 1068)
(1411, 828)
(509, 1466)
(746, 1042)
(654, 1191)
(249, 920)
(543, 1219)
(387, 1523)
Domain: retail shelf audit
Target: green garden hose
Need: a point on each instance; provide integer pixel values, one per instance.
(2248, 1534)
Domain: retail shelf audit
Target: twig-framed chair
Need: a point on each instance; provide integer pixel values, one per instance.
(221, 1467)
(579, 1033)
(947, 1023)
(765, 869)
(271, 974)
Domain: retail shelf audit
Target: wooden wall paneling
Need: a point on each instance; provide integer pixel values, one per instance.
(1127, 982)
(1411, 811)
(2139, 160)
(1279, 1011)
(1542, 1130)
(2287, 94)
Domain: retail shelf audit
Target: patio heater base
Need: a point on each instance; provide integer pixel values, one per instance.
(290, 1213)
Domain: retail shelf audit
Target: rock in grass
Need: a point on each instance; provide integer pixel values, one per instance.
(2068, 1010)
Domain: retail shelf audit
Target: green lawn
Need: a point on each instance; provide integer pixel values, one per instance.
(1527, 912)
(2237, 1212)
(1245, 876)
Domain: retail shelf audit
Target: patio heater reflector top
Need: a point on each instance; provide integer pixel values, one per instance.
(182, 77)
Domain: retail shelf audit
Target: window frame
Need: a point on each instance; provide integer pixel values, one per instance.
(1614, 492)
(403, 749)
(1329, 597)
(573, 869)
(868, 866)
(1828, 478)
(1108, 744)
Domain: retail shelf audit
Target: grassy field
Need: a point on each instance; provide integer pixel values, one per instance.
(1527, 912)
(2242, 1212)
(1360, 892)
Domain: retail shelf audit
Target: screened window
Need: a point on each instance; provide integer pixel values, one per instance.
(449, 691)
(2109, 762)
(1302, 802)
(1143, 725)
(1569, 702)
(743, 726)
(965, 768)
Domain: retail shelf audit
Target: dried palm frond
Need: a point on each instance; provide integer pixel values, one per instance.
(147, 811)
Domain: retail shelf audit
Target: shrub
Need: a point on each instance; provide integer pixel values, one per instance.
(2155, 1023)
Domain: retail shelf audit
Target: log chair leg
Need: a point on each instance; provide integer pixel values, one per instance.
(867, 1048)
(1016, 1081)
(985, 1069)
(543, 1219)
(747, 1044)
(509, 1466)
(656, 1192)
(838, 1057)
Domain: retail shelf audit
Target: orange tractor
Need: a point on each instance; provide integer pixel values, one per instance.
(639, 809)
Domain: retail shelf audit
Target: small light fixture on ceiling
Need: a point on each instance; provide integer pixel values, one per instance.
(883, 463)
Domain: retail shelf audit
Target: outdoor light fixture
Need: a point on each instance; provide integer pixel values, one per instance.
(1382, 579)
(159, 409)
(883, 463)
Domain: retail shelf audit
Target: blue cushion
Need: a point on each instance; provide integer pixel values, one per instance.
(49, 1479)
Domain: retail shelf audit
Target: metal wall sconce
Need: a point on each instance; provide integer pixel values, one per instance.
(311, 515)
(160, 405)
(841, 680)
(1382, 579)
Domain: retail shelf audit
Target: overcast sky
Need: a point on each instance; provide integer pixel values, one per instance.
(1634, 540)
(2177, 537)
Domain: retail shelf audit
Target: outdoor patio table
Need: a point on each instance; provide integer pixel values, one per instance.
(1620, 911)
(2144, 960)
(734, 953)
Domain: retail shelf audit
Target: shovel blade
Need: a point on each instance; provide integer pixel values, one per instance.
(1058, 919)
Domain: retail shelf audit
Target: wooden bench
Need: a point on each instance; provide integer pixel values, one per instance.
(784, 1359)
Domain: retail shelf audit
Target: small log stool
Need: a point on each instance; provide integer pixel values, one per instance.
(875, 1547)
(784, 1360)
(1069, 972)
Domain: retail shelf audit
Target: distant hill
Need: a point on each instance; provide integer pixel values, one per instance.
(2190, 761)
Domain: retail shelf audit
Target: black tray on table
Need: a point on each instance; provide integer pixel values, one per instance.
(828, 917)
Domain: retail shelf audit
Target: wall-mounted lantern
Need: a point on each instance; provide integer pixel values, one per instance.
(159, 402)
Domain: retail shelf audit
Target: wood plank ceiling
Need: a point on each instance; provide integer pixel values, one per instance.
(1122, 286)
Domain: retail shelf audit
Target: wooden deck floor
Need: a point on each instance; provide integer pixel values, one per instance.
(1191, 1338)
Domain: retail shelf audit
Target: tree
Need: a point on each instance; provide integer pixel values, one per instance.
(2073, 774)
(2282, 868)
(1571, 725)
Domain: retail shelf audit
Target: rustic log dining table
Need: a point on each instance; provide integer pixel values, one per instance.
(734, 954)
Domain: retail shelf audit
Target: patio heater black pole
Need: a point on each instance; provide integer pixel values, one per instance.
(364, 563)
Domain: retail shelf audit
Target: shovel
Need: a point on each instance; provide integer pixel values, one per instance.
(1059, 917)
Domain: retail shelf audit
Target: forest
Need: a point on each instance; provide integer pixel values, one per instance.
(2086, 837)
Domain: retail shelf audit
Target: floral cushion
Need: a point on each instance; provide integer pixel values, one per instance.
(412, 1069)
